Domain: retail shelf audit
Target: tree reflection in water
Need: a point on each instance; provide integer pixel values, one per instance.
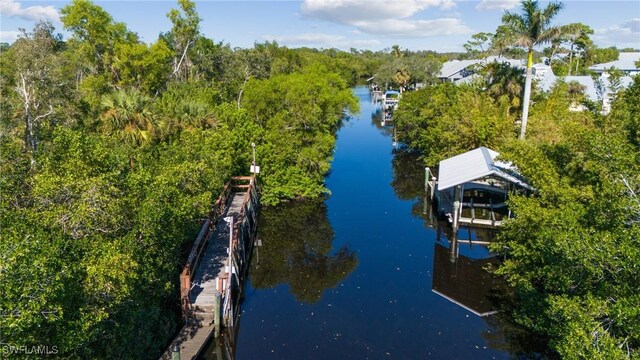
(297, 239)
(408, 174)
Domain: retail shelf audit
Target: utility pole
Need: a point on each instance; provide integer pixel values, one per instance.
(253, 145)
(255, 169)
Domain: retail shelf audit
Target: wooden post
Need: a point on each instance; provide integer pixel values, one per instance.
(429, 183)
(229, 219)
(218, 349)
(185, 289)
(433, 187)
(426, 179)
(217, 313)
(453, 252)
(457, 195)
(424, 205)
(175, 352)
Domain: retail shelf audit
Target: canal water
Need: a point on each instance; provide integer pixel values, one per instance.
(364, 274)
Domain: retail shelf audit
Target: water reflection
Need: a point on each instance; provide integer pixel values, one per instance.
(408, 175)
(296, 250)
(382, 122)
(505, 335)
(460, 271)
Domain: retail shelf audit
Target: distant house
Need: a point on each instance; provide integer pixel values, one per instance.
(472, 188)
(541, 70)
(596, 90)
(627, 62)
(556, 57)
(456, 70)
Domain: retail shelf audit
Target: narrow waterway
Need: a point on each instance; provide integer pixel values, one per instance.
(362, 274)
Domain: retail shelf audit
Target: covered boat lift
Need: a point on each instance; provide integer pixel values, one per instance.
(472, 188)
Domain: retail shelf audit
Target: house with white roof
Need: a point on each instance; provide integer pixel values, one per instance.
(473, 187)
(455, 70)
(627, 62)
(596, 90)
(539, 71)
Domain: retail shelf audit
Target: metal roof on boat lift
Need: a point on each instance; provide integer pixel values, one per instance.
(474, 165)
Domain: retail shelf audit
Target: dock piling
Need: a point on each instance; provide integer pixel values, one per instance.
(430, 182)
(217, 313)
(175, 352)
(456, 209)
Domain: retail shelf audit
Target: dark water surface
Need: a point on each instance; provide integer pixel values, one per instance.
(353, 276)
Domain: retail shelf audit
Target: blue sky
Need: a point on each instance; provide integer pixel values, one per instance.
(442, 25)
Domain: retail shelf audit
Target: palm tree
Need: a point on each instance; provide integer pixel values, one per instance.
(402, 77)
(126, 114)
(527, 30)
(396, 51)
(503, 82)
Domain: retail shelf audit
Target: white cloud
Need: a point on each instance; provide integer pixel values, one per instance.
(321, 40)
(622, 35)
(11, 8)
(497, 4)
(9, 36)
(415, 28)
(386, 17)
(349, 11)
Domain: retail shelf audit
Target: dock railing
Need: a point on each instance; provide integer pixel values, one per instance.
(244, 228)
(200, 244)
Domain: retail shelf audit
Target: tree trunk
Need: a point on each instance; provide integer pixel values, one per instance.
(176, 67)
(527, 95)
(29, 137)
(570, 58)
(246, 78)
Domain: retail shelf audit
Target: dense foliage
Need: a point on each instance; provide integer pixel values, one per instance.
(445, 120)
(572, 251)
(112, 152)
(298, 116)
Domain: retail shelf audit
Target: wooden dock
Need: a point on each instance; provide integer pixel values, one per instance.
(212, 281)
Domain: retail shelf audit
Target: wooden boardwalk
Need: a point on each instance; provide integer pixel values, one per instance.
(220, 255)
(215, 258)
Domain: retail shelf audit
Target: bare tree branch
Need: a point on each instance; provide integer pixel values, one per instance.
(44, 115)
(184, 54)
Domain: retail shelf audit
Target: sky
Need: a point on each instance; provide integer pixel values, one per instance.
(440, 25)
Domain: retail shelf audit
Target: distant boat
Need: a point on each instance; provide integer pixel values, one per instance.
(391, 99)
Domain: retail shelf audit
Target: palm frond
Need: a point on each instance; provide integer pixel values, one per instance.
(126, 113)
(550, 12)
(550, 34)
(516, 23)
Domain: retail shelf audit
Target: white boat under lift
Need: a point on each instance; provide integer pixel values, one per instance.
(390, 100)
